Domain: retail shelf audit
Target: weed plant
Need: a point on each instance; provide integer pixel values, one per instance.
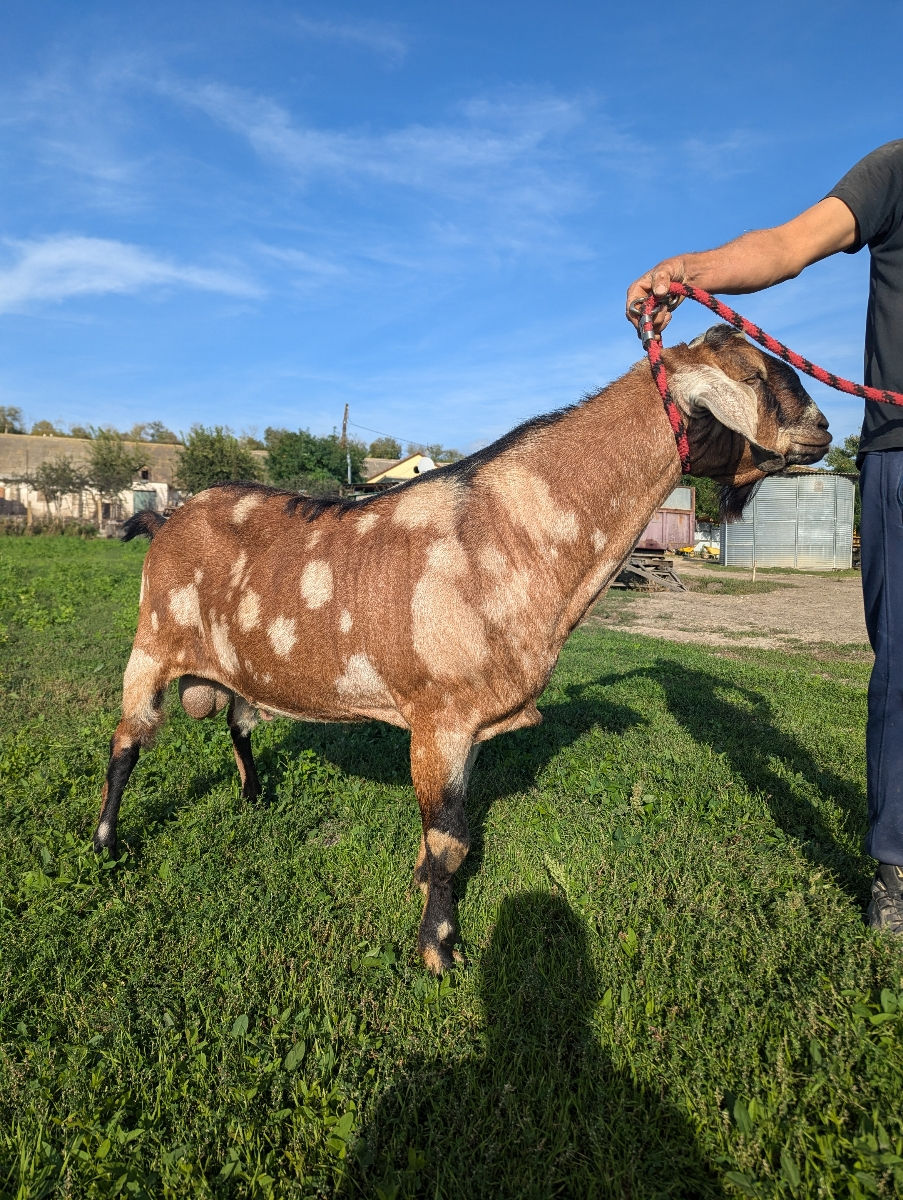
(669, 991)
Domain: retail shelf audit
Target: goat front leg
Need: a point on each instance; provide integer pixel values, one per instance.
(440, 766)
(241, 719)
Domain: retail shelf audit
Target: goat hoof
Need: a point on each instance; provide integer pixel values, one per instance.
(101, 844)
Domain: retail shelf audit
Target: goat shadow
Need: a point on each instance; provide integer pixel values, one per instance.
(542, 1111)
(381, 753)
(747, 733)
(507, 765)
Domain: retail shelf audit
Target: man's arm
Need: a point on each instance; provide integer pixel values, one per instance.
(754, 260)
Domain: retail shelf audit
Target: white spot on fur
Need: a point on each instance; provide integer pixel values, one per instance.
(316, 583)
(222, 646)
(248, 612)
(529, 502)
(447, 555)
(448, 634)
(244, 716)
(140, 682)
(362, 683)
(431, 505)
(443, 930)
(185, 605)
(155, 622)
(244, 507)
(345, 621)
(237, 568)
(366, 522)
(600, 541)
(198, 575)
(491, 559)
(314, 538)
(446, 847)
(281, 633)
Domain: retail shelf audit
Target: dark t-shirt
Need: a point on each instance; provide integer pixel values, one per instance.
(873, 191)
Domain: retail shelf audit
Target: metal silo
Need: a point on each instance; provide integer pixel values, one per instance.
(799, 520)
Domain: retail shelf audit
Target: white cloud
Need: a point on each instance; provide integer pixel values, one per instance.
(62, 267)
(382, 39)
(507, 165)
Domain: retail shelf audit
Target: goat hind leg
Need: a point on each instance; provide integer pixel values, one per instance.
(440, 765)
(144, 686)
(242, 718)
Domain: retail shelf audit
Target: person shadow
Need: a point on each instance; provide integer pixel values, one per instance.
(741, 724)
(540, 1111)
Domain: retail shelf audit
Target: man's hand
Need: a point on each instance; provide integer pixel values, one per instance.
(655, 283)
(752, 261)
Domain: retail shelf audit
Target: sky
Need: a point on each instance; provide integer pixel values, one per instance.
(253, 214)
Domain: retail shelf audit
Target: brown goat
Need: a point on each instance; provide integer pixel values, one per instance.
(442, 605)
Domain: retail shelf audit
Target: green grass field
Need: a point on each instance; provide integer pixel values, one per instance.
(668, 993)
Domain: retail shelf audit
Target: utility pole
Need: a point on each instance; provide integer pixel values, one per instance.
(345, 443)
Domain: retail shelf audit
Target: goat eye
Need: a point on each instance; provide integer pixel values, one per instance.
(753, 379)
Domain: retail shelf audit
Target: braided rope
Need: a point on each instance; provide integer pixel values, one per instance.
(653, 348)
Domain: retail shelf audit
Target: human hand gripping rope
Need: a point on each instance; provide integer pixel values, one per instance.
(645, 311)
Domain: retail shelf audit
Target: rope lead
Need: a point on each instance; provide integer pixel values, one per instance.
(646, 310)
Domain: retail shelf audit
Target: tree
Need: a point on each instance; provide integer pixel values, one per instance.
(112, 465)
(843, 458)
(45, 429)
(439, 454)
(308, 463)
(708, 497)
(57, 478)
(81, 431)
(385, 447)
(11, 420)
(152, 431)
(214, 455)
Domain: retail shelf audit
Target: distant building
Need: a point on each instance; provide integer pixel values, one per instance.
(803, 518)
(385, 472)
(21, 453)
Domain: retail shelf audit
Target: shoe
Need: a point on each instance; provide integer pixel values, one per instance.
(886, 908)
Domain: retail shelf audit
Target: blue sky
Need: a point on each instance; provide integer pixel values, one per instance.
(251, 214)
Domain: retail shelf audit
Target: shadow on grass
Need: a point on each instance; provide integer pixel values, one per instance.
(542, 1111)
(747, 733)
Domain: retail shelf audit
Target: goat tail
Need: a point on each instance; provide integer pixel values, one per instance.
(142, 524)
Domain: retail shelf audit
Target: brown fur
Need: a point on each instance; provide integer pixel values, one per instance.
(442, 605)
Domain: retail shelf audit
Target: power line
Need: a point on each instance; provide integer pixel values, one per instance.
(382, 433)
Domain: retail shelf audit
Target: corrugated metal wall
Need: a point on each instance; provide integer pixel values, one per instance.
(794, 521)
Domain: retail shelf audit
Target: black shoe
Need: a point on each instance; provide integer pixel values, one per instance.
(886, 908)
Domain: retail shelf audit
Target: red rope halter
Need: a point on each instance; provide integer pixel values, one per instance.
(646, 310)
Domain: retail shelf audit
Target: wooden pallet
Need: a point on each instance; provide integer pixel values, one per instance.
(651, 571)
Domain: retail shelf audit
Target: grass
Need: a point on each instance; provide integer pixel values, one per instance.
(669, 990)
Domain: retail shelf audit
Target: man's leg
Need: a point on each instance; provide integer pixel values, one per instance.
(881, 483)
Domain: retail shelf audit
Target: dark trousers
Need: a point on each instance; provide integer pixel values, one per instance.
(881, 482)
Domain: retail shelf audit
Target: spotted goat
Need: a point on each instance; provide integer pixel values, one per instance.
(442, 605)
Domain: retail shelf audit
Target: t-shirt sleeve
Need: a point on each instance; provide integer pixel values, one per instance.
(873, 192)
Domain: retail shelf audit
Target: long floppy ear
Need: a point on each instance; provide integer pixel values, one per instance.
(732, 403)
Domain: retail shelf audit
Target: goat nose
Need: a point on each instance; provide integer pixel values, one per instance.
(820, 419)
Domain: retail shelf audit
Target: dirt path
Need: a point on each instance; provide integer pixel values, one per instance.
(800, 611)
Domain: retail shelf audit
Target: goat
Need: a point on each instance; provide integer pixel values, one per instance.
(442, 605)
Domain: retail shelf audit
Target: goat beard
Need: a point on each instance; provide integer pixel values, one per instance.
(733, 499)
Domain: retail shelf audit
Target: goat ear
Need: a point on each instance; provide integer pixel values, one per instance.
(718, 336)
(732, 403)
